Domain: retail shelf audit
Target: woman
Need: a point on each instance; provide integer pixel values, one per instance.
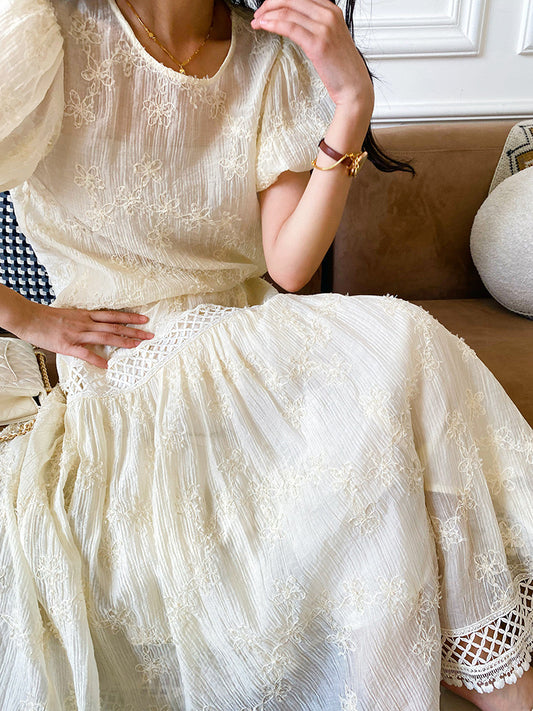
(266, 501)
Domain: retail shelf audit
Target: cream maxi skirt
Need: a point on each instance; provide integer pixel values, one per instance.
(319, 503)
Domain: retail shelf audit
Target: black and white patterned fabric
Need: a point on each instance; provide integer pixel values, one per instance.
(19, 268)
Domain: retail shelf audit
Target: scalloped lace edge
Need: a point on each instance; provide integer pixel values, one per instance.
(495, 674)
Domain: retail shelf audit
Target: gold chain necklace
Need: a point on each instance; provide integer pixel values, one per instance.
(153, 37)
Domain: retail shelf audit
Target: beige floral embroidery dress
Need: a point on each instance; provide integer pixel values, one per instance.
(281, 502)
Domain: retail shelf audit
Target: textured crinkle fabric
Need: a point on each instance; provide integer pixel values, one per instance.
(280, 501)
(149, 192)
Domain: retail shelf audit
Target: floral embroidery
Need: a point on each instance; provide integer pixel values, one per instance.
(424, 613)
(84, 30)
(148, 169)
(199, 94)
(512, 536)
(31, 705)
(474, 402)
(504, 438)
(343, 637)
(356, 595)
(152, 665)
(82, 110)
(489, 566)
(426, 325)
(349, 700)
(456, 426)
(366, 519)
(159, 111)
(89, 178)
(448, 532)
(129, 58)
(235, 167)
(98, 75)
(467, 353)
(91, 475)
(428, 644)
(394, 593)
(501, 480)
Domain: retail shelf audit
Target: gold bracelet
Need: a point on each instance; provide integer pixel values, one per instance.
(352, 161)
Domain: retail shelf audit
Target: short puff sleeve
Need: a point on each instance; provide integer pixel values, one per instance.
(31, 86)
(295, 114)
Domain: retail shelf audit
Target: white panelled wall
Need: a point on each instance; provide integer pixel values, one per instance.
(448, 59)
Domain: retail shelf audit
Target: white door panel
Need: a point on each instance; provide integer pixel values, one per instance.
(448, 59)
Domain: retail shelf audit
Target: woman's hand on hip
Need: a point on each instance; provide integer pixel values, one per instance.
(74, 331)
(318, 27)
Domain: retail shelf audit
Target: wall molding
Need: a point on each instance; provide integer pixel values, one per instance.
(526, 35)
(452, 111)
(457, 33)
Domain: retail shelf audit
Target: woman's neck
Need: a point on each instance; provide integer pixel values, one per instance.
(181, 26)
(176, 23)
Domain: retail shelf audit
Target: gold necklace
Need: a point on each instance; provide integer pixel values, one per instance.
(153, 37)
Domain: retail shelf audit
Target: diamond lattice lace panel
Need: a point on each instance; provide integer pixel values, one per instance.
(127, 368)
(498, 653)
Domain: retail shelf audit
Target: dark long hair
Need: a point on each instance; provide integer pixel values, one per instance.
(376, 154)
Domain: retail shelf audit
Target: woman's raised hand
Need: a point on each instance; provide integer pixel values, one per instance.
(318, 27)
(73, 331)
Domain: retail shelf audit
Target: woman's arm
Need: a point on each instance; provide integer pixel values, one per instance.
(69, 331)
(300, 215)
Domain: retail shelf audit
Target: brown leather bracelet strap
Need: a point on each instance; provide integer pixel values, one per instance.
(332, 153)
(352, 161)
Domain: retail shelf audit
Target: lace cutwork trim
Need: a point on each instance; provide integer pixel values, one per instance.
(497, 654)
(127, 369)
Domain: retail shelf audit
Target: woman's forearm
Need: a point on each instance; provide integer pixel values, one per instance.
(308, 232)
(14, 310)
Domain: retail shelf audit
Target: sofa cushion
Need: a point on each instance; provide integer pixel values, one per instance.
(411, 236)
(501, 339)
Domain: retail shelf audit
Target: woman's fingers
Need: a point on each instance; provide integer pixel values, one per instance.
(119, 330)
(87, 355)
(117, 317)
(309, 7)
(288, 22)
(101, 338)
(311, 14)
(318, 27)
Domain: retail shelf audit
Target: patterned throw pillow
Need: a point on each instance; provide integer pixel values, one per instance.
(517, 153)
(19, 268)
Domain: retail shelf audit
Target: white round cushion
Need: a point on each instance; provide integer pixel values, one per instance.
(501, 242)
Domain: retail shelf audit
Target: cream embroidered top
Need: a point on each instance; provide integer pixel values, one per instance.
(136, 183)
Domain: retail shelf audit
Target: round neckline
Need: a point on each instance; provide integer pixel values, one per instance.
(174, 73)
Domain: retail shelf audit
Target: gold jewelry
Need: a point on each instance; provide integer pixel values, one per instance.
(153, 37)
(352, 161)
